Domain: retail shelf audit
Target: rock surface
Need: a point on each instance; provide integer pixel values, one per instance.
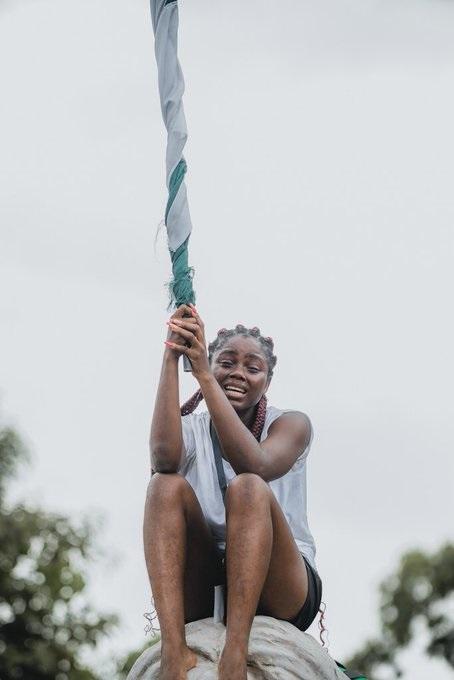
(277, 651)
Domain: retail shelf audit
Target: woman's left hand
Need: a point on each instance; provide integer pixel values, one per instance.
(192, 331)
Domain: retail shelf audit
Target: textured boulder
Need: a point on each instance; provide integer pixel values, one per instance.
(277, 651)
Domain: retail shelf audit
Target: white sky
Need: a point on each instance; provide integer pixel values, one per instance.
(320, 183)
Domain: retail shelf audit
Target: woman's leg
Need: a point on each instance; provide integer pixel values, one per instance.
(265, 572)
(183, 566)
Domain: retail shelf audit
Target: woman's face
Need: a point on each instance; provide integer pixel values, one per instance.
(241, 369)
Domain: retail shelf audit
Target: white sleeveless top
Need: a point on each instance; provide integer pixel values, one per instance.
(198, 467)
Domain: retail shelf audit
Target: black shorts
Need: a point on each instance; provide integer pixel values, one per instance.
(309, 610)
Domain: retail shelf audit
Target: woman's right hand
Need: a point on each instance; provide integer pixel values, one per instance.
(183, 311)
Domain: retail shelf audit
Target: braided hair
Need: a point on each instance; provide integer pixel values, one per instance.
(267, 346)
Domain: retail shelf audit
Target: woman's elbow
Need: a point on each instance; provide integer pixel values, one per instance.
(162, 460)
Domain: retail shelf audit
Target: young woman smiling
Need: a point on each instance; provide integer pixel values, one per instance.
(256, 539)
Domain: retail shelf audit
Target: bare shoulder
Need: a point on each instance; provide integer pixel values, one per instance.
(295, 424)
(287, 438)
(293, 416)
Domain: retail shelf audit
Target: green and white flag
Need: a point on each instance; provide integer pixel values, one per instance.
(164, 14)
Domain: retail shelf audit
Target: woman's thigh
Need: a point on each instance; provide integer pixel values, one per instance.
(286, 584)
(203, 565)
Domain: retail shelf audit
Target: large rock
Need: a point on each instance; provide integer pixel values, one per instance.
(277, 651)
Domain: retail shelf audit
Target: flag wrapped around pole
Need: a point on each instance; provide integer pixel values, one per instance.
(164, 14)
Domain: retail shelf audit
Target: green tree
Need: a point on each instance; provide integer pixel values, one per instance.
(45, 621)
(419, 591)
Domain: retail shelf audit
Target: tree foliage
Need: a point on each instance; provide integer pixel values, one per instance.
(421, 590)
(45, 621)
(12, 452)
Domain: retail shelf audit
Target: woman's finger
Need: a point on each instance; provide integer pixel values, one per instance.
(196, 316)
(177, 328)
(181, 311)
(199, 334)
(191, 351)
(176, 346)
(188, 324)
(193, 326)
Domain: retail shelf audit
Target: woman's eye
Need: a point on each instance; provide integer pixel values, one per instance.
(225, 363)
(254, 369)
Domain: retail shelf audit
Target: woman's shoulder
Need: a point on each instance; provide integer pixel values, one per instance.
(195, 429)
(271, 412)
(197, 416)
(306, 424)
(195, 419)
(274, 411)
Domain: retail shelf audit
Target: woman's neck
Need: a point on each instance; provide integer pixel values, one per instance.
(248, 417)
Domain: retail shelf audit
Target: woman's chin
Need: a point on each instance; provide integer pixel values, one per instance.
(239, 403)
(240, 408)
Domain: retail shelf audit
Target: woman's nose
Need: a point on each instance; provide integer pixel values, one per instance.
(237, 373)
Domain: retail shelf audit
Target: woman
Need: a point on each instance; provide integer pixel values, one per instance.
(263, 531)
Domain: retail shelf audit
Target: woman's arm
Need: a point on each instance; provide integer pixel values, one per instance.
(287, 438)
(239, 445)
(166, 440)
(270, 459)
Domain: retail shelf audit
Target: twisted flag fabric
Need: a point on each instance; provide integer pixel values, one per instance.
(164, 14)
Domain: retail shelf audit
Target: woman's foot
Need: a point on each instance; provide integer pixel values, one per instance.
(232, 664)
(176, 662)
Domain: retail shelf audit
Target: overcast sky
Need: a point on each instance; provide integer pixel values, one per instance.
(321, 160)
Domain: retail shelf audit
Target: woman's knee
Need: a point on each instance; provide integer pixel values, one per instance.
(166, 486)
(246, 485)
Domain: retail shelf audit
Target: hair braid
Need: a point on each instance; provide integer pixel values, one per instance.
(191, 404)
(259, 421)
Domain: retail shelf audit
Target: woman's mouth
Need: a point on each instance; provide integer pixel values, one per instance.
(233, 391)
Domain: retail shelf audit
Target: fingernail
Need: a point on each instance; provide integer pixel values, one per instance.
(169, 344)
